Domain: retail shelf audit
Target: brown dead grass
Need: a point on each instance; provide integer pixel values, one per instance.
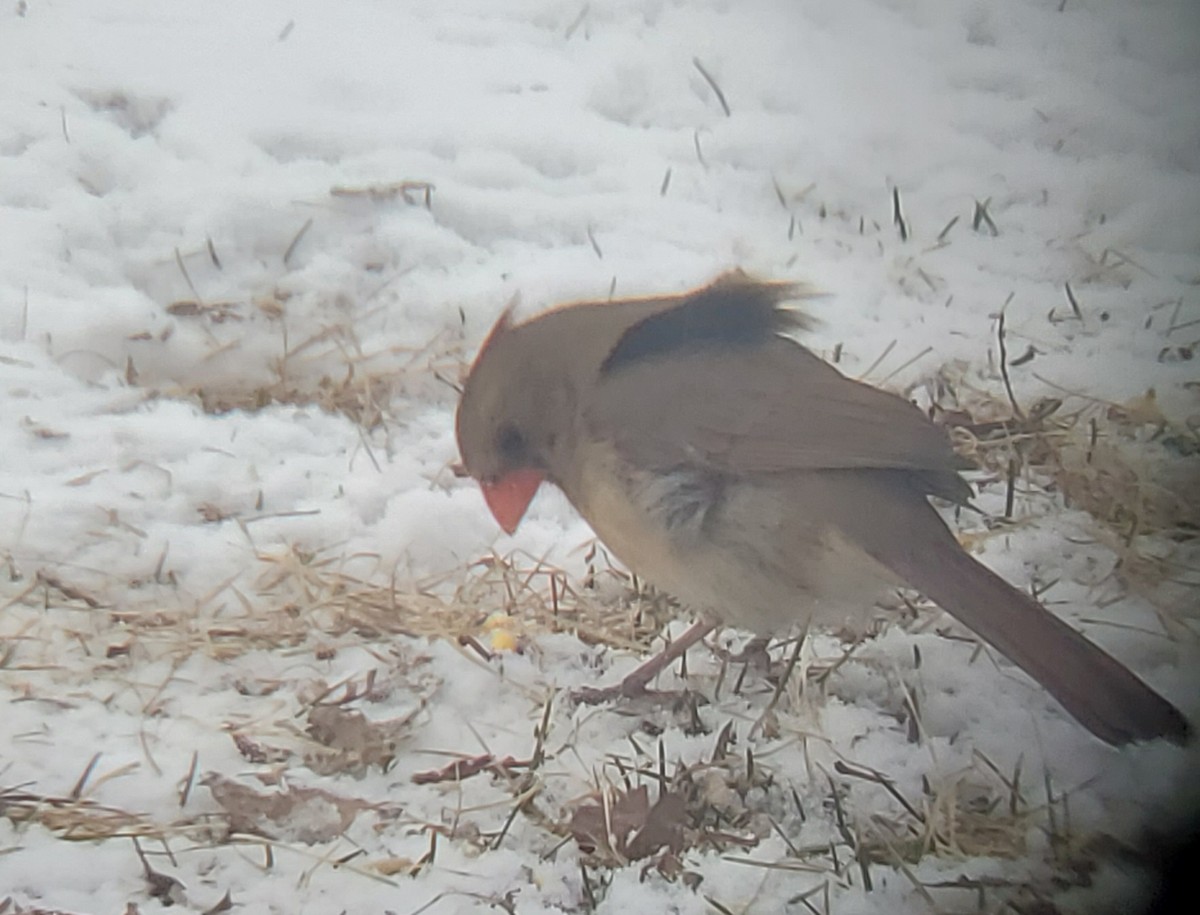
(366, 388)
(1133, 470)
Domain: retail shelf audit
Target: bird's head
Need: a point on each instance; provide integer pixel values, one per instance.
(515, 411)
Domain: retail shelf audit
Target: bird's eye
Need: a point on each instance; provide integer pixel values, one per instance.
(511, 442)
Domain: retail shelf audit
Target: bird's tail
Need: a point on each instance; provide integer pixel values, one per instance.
(1099, 692)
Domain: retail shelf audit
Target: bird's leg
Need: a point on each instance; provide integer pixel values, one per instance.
(635, 683)
(754, 653)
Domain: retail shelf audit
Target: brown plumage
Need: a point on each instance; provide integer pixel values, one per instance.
(731, 467)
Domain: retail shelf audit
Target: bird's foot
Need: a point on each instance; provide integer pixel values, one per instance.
(632, 687)
(753, 654)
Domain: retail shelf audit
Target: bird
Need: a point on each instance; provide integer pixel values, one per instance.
(728, 465)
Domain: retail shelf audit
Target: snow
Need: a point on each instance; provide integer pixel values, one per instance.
(183, 222)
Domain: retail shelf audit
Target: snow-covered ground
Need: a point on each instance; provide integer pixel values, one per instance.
(245, 249)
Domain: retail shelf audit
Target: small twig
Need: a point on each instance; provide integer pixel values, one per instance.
(543, 729)
(595, 245)
(699, 151)
(212, 252)
(907, 871)
(589, 894)
(1073, 301)
(189, 780)
(725, 740)
(1027, 356)
(1010, 490)
(779, 193)
(469, 641)
(577, 22)
(802, 898)
(981, 216)
(900, 368)
(296, 239)
(713, 85)
(187, 277)
(1174, 316)
(946, 231)
(787, 672)
(874, 365)
(1185, 324)
(722, 909)
(1051, 816)
(898, 215)
(1012, 398)
(848, 837)
(77, 791)
(873, 775)
(465, 768)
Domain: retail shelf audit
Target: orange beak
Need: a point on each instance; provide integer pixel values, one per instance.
(509, 496)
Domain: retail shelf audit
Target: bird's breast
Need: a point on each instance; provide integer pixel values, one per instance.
(742, 550)
(620, 504)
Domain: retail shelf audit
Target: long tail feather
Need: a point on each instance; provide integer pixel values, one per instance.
(1101, 693)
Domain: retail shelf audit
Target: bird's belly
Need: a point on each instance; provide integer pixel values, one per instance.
(735, 551)
(609, 503)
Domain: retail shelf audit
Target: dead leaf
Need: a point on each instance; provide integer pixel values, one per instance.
(360, 743)
(258, 753)
(39, 431)
(391, 867)
(308, 815)
(408, 190)
(1142, 410)
(84, 478)
(211, 514)
(217, 312)
(627, 827)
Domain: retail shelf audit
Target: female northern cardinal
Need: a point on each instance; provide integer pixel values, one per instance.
(737, 471)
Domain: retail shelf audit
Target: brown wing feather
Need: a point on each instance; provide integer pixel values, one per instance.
(765, 409)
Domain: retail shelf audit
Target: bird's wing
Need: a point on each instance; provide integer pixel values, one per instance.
(765, 408)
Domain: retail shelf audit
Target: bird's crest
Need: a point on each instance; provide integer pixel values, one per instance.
(502, 326)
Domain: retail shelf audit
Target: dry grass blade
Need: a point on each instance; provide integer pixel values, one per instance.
(1002, 343)
(898, 215)
(74, 819)
(708, 78)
